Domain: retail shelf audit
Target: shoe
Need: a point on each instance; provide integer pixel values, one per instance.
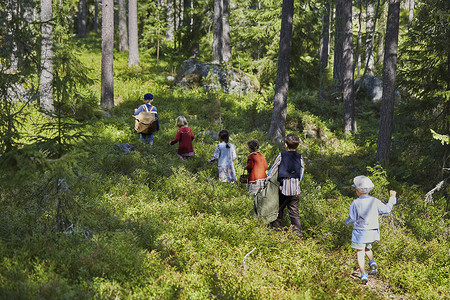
(364, 278)
(373, 268)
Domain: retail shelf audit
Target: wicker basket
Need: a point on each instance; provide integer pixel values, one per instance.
(243, 178)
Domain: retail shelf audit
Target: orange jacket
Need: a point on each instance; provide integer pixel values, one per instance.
(256, 166)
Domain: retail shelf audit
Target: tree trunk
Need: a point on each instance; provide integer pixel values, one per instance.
(133, 54)
(107, 97)
(338, 47)
(226, 48)
(411, 11)
(170, 20)
(278, 122)
(46, 78)
(325, 35)
(196, 32)
(359, 40)
(9, 36)
(123, 28)
(324, 44)
(96, 16)
(380, 37)
(370, 29)
(389, 76)
(347, 76)
(82, 18)
(217, 34)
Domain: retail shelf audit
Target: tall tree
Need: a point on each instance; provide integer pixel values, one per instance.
(324, 41)
(82, 18)
(278, 122)
(338, 47)
(123, 28)
(133, 53)
(226, 51)
(46, 78)
(380, 35)
(411, 5)
(389, 75)
(107, 93)
(221, 35)
(370, 29)
(359, 40)
(217, 33)
(8, 34)
(325, 35)
(96, 15)
(170, 20)
(424, 72)
(347, 72)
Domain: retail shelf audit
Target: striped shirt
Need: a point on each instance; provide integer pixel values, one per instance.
(289, 186)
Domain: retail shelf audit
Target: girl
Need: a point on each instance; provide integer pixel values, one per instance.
(225, 153)
(184, 137)
(256, 167)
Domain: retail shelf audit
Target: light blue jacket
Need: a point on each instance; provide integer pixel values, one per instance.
(363, 212)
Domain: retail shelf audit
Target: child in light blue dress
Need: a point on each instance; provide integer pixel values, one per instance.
(363, 215)
(225, 153)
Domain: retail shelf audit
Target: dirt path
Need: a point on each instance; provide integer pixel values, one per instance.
(377, 284)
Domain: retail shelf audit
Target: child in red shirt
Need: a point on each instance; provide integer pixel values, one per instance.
(184, 137)
(256, 167)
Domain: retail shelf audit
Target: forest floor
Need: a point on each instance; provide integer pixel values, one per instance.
(378, 285)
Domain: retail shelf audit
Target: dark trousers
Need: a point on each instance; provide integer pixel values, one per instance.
(291, 202)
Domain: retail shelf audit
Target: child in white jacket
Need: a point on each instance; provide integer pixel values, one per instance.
(363, 215)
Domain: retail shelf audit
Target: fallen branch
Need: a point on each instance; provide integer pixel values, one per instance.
(243, 261)
(429, 195)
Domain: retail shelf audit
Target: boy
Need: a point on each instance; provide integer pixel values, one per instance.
(363, 215)
(290, 168)
(147, 106)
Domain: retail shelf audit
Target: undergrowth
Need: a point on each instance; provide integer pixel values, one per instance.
(101, 223)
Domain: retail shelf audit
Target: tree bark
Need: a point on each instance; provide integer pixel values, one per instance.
(107, 88)
(325, 35)
(324, 44)
(46, 78)
(381, 37)
(338, 47)
(389, 76)
(226, 47)
(133, 53)
(278, 122)
(347, 76)
(370, 29)
(170, 6)
(123, 28)
(9, 36)
(82, 18)
(411, 10)
(96, 16)
(359, 40)
(217, 33)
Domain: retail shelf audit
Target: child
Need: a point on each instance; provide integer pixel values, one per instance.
(290, 168)
(256, 167)
(225, 153)
(363, 215)
(184, 137)
(147, 106)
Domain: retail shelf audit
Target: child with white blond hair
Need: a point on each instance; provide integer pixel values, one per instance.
(363, 215)
(184, 139)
